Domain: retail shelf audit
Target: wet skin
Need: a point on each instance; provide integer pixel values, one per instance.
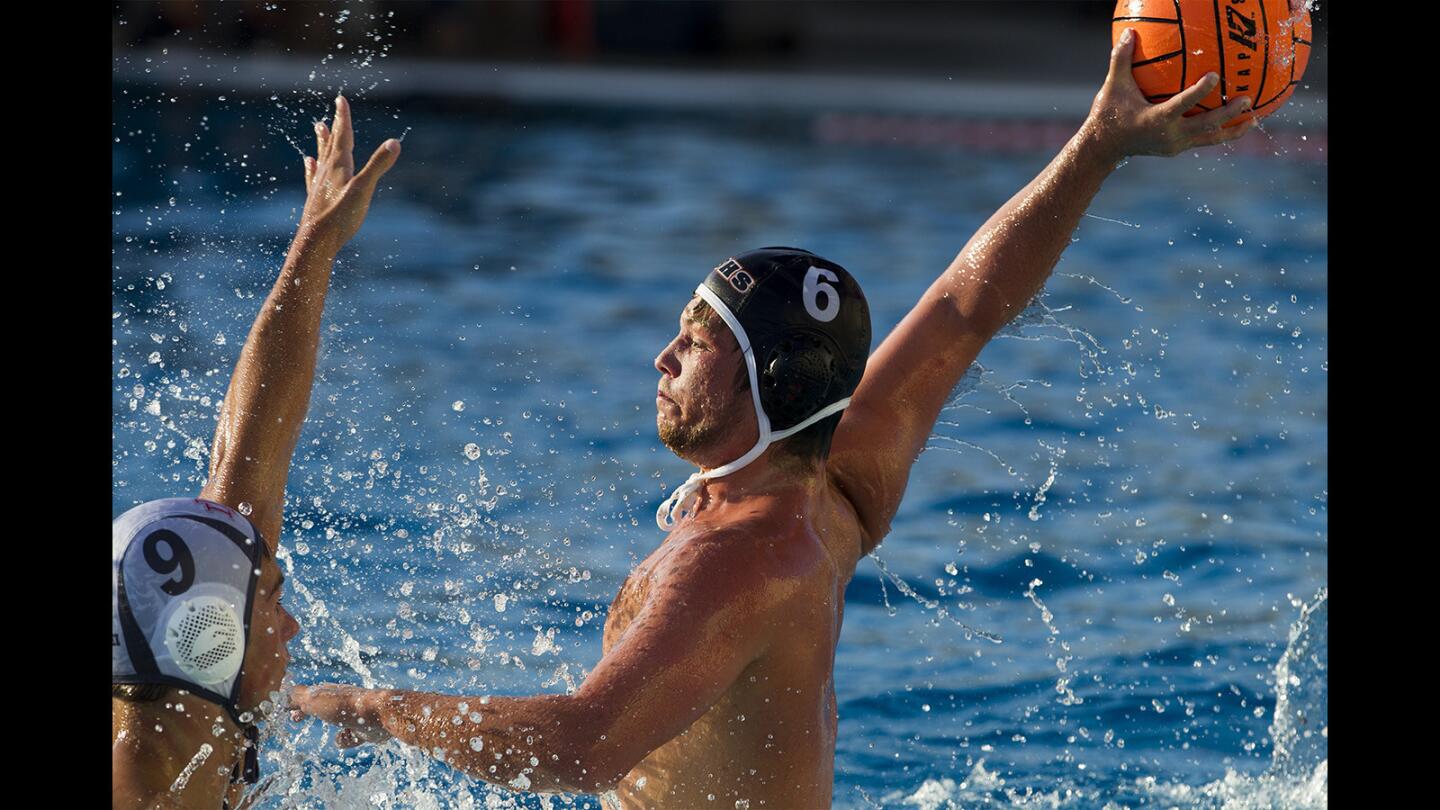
(716, 688)
(770, 737)
(781, 549)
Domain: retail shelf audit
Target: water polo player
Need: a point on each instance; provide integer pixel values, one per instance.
(716, 686)
(198, 632)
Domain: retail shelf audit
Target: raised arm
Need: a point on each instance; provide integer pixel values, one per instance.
(910, 376)
(270, 389)
(706, 620)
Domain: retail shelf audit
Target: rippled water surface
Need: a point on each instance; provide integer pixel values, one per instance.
(1131, 493)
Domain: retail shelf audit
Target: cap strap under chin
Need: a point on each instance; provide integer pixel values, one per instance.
(251, 773)
(745, 348)
(676, 507)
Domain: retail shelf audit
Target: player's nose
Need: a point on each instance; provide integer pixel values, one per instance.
(665, 361)
(289, 628)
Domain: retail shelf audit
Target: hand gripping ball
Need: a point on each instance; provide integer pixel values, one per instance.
(1259, 48)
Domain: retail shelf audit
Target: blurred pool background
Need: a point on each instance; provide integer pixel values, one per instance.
(1130, 492)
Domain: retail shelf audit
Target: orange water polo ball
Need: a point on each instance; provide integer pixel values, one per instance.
(1259, 48)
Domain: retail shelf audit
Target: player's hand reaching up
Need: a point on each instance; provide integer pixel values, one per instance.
(1123, 123)
(338, 198)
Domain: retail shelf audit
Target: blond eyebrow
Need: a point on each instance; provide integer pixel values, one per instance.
(687, 314)
(687, 319)
(698, 336)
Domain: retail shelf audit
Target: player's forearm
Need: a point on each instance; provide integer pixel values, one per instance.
(540, 743)
(269, 391)
(1008, 260)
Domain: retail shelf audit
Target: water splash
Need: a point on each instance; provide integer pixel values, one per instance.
(193, 765)
(1300, 728)
(1062, 661)
(1056, 453)
(940, 610)
(1297, 778)
(1116, 221)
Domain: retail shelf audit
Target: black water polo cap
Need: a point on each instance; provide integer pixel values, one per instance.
(807, 325)
(804, 328)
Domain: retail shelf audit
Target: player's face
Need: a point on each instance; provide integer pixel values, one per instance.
(698, 408)
(271, 626)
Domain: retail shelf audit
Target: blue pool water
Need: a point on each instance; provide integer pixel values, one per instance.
(1132, 494)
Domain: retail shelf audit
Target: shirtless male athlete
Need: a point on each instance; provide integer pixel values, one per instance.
(198, 641)
(716, 687)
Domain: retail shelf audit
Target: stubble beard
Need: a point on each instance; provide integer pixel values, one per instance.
(685, 440)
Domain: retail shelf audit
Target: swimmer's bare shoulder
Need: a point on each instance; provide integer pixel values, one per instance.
(741, 572)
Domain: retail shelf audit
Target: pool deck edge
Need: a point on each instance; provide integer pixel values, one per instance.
(611, 86)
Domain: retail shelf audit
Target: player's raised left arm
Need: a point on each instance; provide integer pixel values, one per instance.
(993, 278)
(270, 390)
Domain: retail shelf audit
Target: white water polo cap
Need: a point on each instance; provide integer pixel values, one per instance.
(183, 589)
(804, 328)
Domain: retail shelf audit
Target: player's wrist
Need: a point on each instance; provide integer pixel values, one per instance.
(370, 707)
(311, 247)
(1097, 147)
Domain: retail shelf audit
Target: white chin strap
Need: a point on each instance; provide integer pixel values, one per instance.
(677, 506)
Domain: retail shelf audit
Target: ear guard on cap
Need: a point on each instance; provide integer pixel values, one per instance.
(184, 573)
(795, 379)
(204, 634)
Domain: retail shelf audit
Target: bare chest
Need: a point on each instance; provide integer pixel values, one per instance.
(628, 602)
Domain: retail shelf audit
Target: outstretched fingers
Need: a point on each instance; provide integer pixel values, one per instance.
(322, 140)
(1181, 102)
(309, 172)
(1221, 134)
(350, 737)
(1220, 115)
(1208, 128)
(344, 136)
(379, 163)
